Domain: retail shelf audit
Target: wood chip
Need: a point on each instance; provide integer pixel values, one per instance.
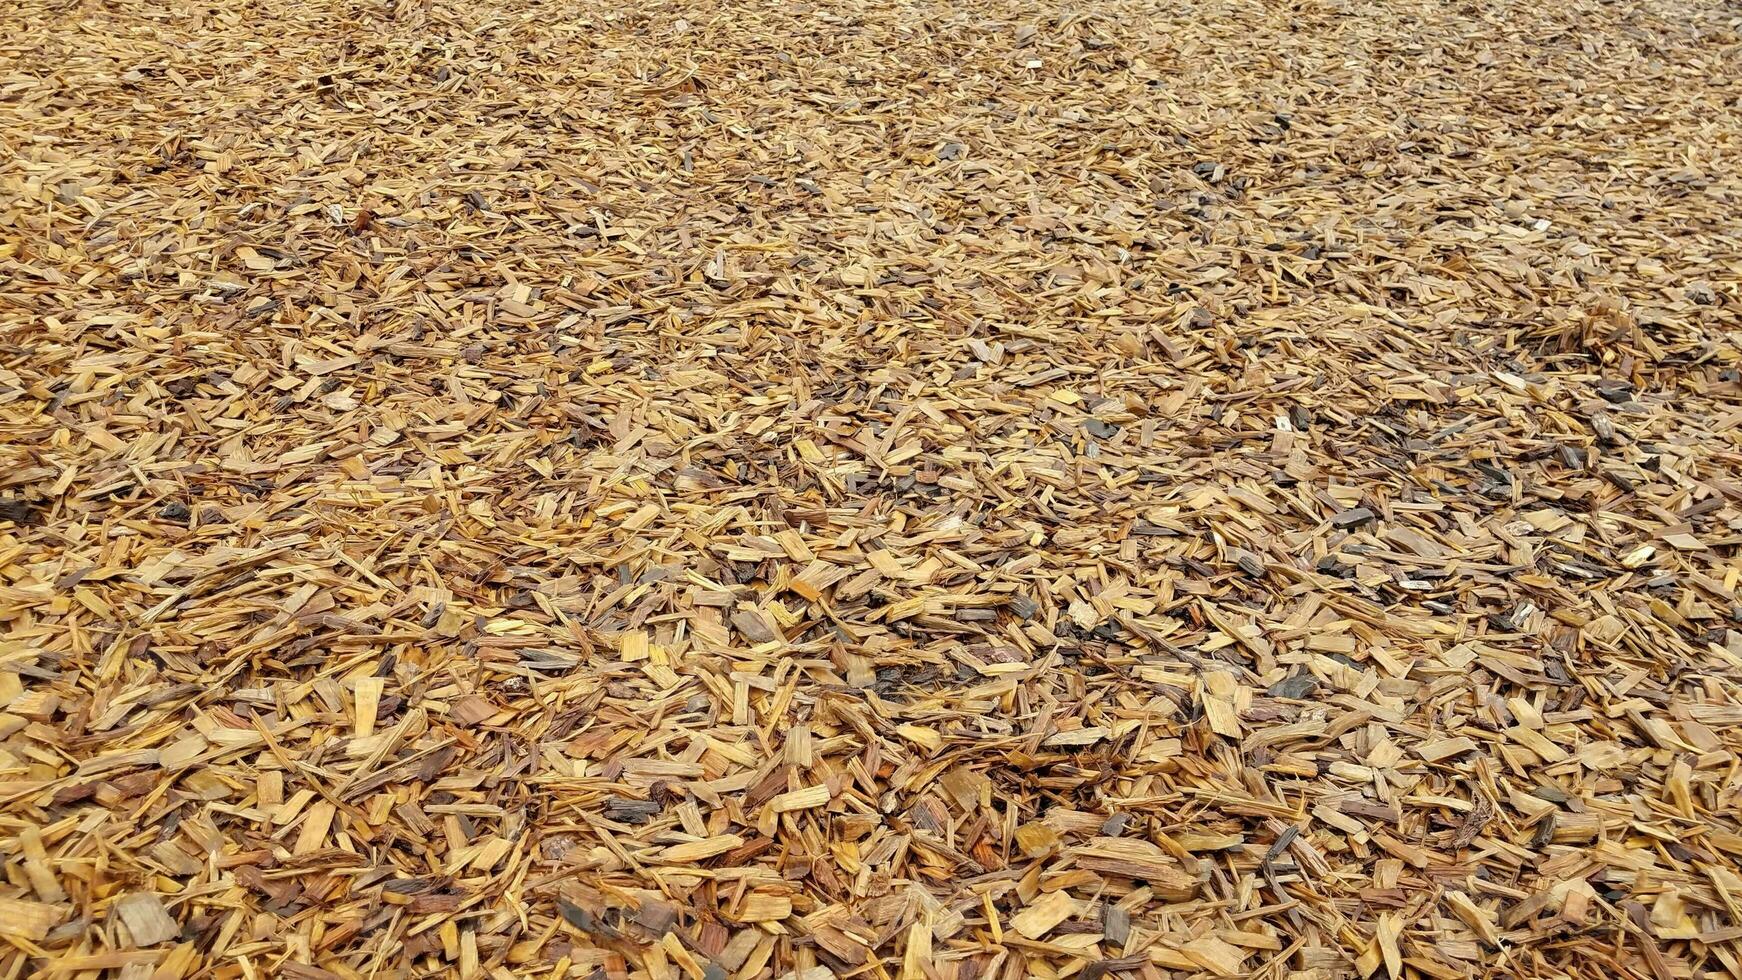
(1044, 914)
(1132, 858)
(801, 799)
(27, 919)
(145, 920)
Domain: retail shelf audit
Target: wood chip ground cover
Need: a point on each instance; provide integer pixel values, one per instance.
(991, 489)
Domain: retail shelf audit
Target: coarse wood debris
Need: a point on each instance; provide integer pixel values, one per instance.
(1005, 488)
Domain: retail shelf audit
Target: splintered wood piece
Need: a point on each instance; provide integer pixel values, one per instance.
(801, 799)
(965, 787)
(37, 867)
(313, 833)
(144, 918)
(1473, 916)
(27, 919)
(700, 850)
(763, 907)
(916, 962)
(1212, 954)
(368, 704)
(1044, 913)
(1133, 858)
(1037, 840)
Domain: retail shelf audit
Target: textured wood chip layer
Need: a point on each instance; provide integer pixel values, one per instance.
(989, 489)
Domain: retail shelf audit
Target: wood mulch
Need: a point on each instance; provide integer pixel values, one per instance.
(555, 488)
